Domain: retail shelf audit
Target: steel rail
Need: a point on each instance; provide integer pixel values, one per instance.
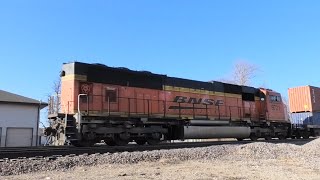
(52, 152)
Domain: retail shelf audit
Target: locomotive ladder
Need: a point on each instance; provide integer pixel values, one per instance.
(71, 132)
(262, 117)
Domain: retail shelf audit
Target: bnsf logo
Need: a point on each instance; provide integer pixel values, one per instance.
(191, 100)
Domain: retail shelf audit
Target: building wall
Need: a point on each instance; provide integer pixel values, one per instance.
(20, 116)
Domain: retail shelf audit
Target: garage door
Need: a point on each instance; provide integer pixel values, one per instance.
(19, 137)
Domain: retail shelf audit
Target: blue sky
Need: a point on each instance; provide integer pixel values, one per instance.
(199, 40)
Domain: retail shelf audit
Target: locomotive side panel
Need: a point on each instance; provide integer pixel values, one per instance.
(70, 89)
(67, 96)
(121, 100)
(171, 101)
(186, 103)
(104, 99)
(233, 108)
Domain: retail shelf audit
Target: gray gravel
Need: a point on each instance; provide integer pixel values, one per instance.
(253, 151)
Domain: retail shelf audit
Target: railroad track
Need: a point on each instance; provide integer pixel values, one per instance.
(53, 152)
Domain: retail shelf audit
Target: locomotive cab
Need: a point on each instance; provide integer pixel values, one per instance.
(274, 107)
(272, 122)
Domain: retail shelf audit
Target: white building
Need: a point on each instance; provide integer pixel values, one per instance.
(19, 120)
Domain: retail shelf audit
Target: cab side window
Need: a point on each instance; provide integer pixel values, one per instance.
(111, 95)
(275, 98)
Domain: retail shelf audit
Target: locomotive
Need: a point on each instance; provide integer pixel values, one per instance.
(119, 105)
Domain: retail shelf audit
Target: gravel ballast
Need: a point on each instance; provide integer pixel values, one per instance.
(307, 153)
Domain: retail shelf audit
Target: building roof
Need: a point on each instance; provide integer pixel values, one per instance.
(7, 97)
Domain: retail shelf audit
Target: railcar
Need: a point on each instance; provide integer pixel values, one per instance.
(118, 106)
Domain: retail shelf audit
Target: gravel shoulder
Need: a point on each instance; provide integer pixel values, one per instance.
(250, 161)
(166, 169)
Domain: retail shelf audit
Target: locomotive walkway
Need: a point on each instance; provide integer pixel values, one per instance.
(53, 152)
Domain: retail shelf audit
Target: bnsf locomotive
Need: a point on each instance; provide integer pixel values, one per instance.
(119, 105)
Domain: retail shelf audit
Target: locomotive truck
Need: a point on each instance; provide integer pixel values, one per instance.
(118, 106)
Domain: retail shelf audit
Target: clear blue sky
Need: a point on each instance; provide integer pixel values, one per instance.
(192, 39)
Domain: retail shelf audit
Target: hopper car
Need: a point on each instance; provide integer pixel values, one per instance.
(119, 105)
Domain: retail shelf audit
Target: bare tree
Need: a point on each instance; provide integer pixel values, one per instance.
(286, 107)
(244, 72)
(57, 86)
(53, 97)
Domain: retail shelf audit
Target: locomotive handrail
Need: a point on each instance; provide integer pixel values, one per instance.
(79, 102)
(193, 109)
(109, 106)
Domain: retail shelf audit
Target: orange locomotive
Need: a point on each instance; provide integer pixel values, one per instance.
(119, 105)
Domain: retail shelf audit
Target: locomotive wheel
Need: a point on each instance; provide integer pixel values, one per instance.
(82, 143)
(119, 141)
(110, 142)
(87, 143)
(253, 137)
(140, 141)
(268, 138)
(281, 137)
(153, 141)
(75, 143)
(239, 139)
(305, 136)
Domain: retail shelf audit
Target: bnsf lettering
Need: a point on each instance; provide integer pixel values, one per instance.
(194, 101)
(208, 102)
(182, 99)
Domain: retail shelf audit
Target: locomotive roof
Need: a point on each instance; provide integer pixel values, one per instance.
(101, 73)
(82, 68)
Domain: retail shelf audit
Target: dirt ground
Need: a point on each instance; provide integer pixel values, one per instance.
(279, 169)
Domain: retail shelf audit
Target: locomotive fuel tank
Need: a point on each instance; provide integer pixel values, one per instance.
(208, 132)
